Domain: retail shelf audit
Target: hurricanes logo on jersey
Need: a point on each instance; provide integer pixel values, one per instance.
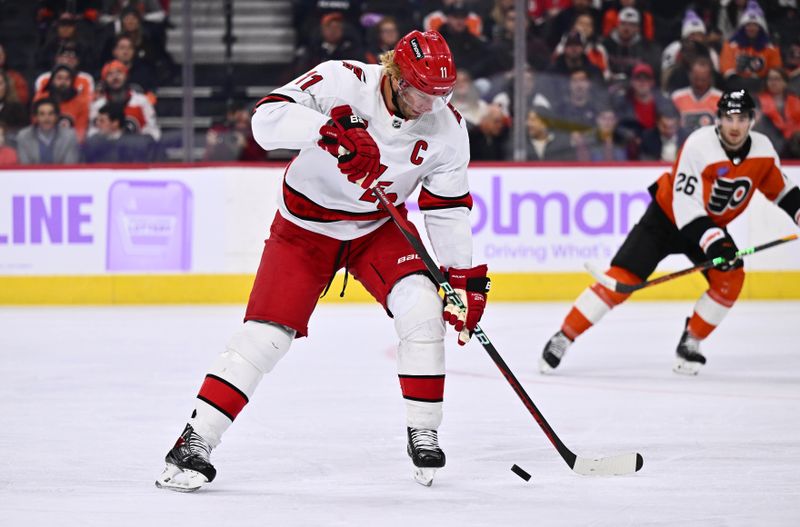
(728, 193)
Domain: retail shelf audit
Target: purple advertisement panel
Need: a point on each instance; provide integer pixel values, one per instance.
(149, 226)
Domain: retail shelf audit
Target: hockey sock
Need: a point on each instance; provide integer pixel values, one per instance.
(711, 308)
(231, 381)
(417, 310)
(594, 303)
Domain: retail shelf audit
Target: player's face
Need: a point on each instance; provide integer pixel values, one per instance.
(734, 128)
(414, 103)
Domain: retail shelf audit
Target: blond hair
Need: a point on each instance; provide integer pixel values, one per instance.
(390, 66)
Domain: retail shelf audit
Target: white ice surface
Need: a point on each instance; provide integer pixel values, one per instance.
(92, 398)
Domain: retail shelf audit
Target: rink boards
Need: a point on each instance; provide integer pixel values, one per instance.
(122, 235)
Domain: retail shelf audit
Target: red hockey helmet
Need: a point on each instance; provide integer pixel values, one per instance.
(426, 63)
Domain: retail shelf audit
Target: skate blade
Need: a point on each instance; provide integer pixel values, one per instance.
(685, 367)
(544, 368)
(424, 475)
(179, 480)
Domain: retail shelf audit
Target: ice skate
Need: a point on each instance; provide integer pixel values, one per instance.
(188, 467)
(553, 352)
(424, 451)
(689, 360)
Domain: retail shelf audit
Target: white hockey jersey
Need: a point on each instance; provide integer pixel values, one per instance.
(432, 150)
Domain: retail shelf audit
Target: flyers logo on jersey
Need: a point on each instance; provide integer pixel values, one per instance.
(728, 193)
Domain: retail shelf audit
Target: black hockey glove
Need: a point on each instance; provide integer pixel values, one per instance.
(726, 248)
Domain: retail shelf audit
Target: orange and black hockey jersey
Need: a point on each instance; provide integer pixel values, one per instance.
(706, 182)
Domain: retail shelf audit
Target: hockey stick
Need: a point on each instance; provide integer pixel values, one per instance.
(605, 466)
(609, 283)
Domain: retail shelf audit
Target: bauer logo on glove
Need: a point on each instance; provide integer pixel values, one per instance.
(345, 137)
(472, 286)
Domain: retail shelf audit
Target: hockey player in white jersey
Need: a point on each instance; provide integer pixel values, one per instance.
(716, 174)
(356, 125)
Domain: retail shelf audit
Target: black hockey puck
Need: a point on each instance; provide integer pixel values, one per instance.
(521, 473)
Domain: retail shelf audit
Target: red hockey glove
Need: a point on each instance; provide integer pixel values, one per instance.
(472, 285)
(345, 136)
(726, 248)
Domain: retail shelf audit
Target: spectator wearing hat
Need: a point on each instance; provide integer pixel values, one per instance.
(780, 114)
(749, 53)
(12, 112)
(44, 142)
(17, 81)
(140, 116)
(697, 103)
(573, 57)
(113, 143)
(434, 20)
(729, 16)
(693, 29)
(611, 19)
(545, 143)
(626, 47)
(332, 44)
(565, 19)
(639, 107)
(73, 105)
(67, 56)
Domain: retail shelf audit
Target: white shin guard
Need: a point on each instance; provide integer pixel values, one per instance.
(252, 351)
(417, 310)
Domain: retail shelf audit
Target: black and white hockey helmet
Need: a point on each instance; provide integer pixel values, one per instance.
(736, 101)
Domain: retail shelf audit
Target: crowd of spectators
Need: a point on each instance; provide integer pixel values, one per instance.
(89, 93)
(605, 80)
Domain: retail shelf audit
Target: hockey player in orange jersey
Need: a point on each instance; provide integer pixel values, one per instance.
(711, 183)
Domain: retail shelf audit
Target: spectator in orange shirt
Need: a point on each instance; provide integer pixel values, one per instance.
(611, 19)
(780, 110)
(74, 105)
(140, 116)
(68, 56)
(697, 103)
(436, 19)
(749, 54)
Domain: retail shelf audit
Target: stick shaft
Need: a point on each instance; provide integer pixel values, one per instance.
(629, 288)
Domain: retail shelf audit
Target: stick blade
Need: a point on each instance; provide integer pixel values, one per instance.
(621, 465)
